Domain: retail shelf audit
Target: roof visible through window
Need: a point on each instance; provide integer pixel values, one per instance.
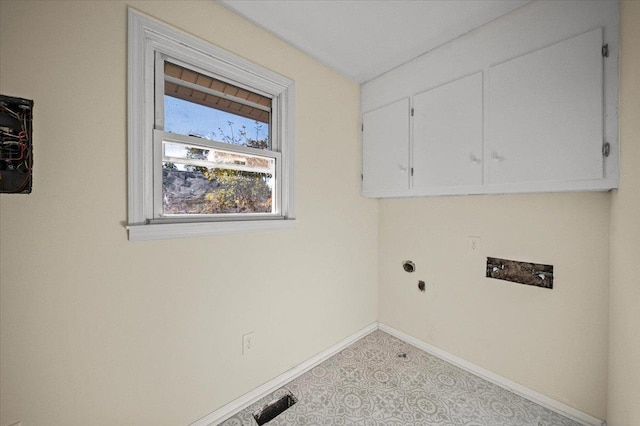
(191, 86)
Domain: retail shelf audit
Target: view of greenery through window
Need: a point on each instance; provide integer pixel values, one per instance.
(199, 180)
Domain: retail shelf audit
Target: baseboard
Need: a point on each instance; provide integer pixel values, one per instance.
(247, 399)
(514, 387)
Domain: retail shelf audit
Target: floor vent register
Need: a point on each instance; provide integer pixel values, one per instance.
(273, 409)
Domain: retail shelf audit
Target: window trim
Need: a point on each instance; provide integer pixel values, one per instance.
(147, 36)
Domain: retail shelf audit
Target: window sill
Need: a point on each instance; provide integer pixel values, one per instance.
(165, 231)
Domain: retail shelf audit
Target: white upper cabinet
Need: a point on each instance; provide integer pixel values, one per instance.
(546, 114)
(385, 150)
(447, 135)
(525, 103)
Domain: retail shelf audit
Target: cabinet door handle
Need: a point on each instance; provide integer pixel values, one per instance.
(474, 159)
(496, 157)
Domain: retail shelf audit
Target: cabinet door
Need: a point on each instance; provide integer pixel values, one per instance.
(385, 149)
(447, 135)
(546, 114)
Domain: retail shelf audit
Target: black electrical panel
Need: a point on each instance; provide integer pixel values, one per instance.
(16, 150)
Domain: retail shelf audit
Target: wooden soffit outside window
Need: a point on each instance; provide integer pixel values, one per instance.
(185, 84)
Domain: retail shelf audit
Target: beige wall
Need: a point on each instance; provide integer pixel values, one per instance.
(97, 330)
(624, 296)
(552, 341)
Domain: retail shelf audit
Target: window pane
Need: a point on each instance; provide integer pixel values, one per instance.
(188, 118)
(200, 180)
(199, 105)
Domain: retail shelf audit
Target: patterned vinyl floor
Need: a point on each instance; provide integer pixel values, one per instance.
(368, 384)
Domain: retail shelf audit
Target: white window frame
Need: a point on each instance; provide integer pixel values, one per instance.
(147, 37)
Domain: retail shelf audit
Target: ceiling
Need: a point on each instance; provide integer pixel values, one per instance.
(363, 39)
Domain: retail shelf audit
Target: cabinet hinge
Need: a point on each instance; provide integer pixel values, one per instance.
(412, 171)
(362, 177)
(362, 128)
(606, 149)
(605, 50)
(412, 112)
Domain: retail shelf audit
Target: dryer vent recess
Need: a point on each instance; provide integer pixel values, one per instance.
(408, 266)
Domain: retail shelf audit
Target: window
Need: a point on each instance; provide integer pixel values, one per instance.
(210, 138)
(223, 165)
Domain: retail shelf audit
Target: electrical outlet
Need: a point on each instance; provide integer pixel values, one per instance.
(474, 245)
(247, 343)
